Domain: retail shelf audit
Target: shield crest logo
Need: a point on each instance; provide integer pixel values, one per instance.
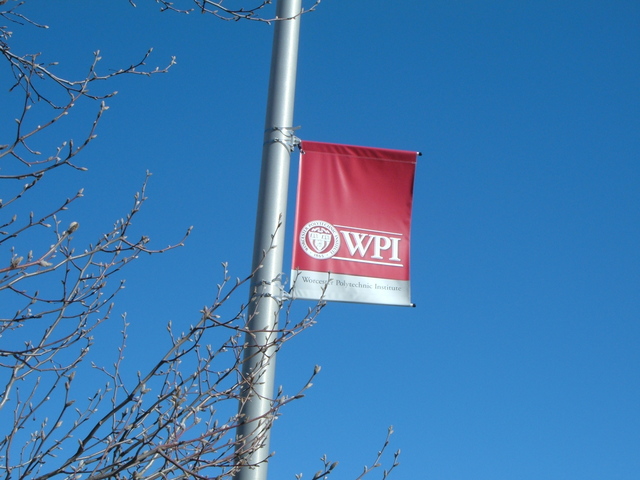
(320, 238)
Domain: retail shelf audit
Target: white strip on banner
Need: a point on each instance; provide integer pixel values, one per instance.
(353, 224)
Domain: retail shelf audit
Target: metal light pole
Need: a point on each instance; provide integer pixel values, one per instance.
(259, 355)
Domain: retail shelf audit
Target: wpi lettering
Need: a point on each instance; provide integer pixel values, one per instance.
(360, 243)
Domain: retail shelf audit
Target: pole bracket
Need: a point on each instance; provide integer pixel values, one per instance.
(286, 138)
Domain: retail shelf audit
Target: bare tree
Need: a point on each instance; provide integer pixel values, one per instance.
(174, 419)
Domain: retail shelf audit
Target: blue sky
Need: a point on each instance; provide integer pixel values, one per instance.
(522, 359)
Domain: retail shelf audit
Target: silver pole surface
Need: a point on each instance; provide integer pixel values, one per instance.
(266, 290)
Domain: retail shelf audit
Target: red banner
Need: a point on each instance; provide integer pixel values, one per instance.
(353, 224)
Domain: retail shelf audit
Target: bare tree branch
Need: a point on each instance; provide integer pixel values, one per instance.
(255, 10)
